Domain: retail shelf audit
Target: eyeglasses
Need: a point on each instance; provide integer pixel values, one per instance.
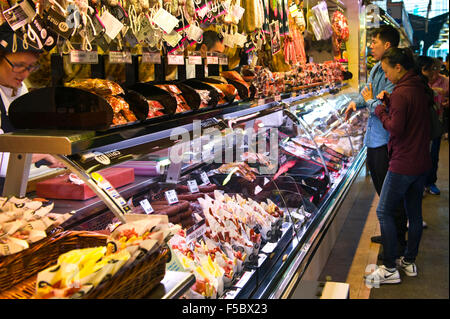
(20, 68)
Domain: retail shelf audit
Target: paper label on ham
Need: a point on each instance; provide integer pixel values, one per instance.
(165, 20)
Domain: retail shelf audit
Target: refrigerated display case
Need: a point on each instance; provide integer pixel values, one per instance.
(296, 153)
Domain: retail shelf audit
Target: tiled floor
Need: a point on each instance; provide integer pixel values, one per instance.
(353, 251)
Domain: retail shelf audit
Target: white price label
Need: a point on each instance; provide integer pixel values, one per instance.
(146, 206)
(171, 197)
(193, 187)
(228, 40)
(223, 60)
(212, 60)
(258, 190)
(238, 12)
(151, 57)
(266, 180)
(194, 59)
(173, 59)
(117, 57)
(205, 178)
(244, 279)
(203, 11)
(112, 25)
(165, 20)
(83, 57)
(195, 231)
(261, 259)
(261, 101)
(269, 248)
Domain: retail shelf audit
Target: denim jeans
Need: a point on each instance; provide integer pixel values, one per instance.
(434, 152)
(399, 188)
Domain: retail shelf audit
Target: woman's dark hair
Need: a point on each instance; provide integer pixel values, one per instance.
(404, 57)
(425, 62)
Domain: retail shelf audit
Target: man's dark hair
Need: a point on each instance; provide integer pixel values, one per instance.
(388, 33)
(210, 38)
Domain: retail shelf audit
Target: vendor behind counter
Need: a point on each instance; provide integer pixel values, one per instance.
(17, 62)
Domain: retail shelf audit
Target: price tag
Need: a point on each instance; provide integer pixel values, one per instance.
(151, 57)
(83, 57)
(258, 190)
(194, 59)
(194, 33)
(174, 59)
(171, 197)
(203, 11)
(193, 187)
(145, 204)
(17, 16)
(228, 40)
(111, 24)
(277, 98)
(240, 39)
(223, 60)
(165, 20)
(261, 259)
(269, 248)
(117, 57)
(205, 178)
(195, 232)
(261, 101)
(238, 12)
(266, 180)
(212, 59)
(244, 279)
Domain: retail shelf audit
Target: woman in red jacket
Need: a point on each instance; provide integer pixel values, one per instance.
(403, 115)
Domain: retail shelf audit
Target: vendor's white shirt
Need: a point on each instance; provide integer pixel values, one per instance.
(7, 98)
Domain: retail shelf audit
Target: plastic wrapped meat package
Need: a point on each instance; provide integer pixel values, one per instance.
(182, 105)
(24, 221)
(80, 270)
(229, 242)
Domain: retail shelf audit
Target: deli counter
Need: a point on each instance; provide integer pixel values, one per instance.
(293, 154)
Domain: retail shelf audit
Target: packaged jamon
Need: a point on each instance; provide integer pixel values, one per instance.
(204, 97)
(24, 221)
(97, 86)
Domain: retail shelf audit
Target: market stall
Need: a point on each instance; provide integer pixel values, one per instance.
(216, 185)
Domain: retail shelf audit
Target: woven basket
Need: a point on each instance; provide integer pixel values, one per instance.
(136, 280)
(42, 254)
(130, 282)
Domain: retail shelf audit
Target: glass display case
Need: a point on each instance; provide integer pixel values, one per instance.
(252, 186)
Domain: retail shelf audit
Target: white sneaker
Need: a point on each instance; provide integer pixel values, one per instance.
(410, 269)
(382, 276)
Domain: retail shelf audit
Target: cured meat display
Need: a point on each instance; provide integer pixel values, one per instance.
(110, 91)
(182, 105)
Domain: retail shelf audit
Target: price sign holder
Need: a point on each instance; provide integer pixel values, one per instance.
(171, 197)
(145, 204)
(193, 187)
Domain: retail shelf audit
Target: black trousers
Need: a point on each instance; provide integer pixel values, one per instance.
(378, 163)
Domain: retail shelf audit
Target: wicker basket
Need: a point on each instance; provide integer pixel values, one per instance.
(16, 268)
(131, 282)
(134, 281)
